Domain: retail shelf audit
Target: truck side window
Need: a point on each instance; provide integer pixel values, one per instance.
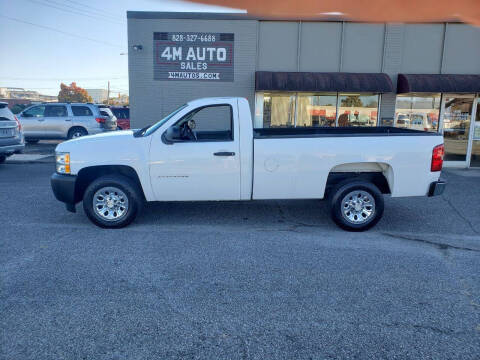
(212, 123)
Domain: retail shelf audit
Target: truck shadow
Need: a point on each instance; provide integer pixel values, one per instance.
(261, 214)
(409, 215)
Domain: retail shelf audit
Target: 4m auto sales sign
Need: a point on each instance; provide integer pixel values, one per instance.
(193, 56)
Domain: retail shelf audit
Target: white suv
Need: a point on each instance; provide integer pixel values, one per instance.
(65, 120)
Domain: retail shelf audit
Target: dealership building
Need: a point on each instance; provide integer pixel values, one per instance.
(312, 73)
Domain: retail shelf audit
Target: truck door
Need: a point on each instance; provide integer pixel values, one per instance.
(198, 157)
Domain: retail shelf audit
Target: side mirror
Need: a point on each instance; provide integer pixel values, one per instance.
(172, 135)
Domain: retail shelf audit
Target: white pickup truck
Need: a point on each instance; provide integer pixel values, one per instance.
(208, 150)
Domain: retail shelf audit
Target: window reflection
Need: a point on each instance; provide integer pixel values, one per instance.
(357, 110)
(475, 161)
(278, 110)
(456, 126)
(316, 109)
(418, 112)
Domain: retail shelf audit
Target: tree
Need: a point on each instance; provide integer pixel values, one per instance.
(352, 101)
(73, 93)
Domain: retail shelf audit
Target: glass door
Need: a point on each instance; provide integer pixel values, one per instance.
(475, 158)
(457, 116)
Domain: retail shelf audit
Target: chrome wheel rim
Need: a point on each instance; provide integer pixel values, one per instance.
(110, 203)
(358, 207)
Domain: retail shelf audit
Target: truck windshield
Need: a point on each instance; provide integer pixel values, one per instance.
(155, 126)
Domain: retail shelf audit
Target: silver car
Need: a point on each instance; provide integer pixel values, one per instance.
(65, 121)
(11, 136)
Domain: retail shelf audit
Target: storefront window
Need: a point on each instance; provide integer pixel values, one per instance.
(456, 126)
(278, 110)
(418, 112)
(357, 110)
(316, 109)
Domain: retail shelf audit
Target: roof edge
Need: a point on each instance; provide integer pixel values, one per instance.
(152, 15)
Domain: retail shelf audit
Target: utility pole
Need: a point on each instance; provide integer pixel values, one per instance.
(108, 93)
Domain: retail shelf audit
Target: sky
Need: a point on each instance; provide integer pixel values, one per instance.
(46, 42)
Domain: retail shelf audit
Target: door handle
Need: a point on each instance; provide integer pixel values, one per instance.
(224, 153)
(68, 119)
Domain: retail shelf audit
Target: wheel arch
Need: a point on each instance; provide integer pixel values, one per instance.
(72, 128)
(88, 174)
(378, 173)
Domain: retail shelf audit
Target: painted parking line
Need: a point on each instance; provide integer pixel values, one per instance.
(28, 157)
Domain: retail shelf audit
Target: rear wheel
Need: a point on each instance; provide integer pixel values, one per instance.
(76, 132)
(356, 205)
(112, 201)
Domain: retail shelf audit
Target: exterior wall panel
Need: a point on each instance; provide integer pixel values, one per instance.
(422, 48)
(278, 46)
(320, 46)
(392, 63)
(363, 47)
(462, 50)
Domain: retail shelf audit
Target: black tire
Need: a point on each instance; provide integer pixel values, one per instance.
(32, 141)
(127, 186)
(119, 128)
(75, 132)
(340, 191)
(2, 158)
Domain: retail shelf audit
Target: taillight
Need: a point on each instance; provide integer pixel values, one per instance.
(100, 120)
(18, 123)
(437, 158)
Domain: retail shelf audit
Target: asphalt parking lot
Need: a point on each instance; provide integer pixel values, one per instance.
(253, 280)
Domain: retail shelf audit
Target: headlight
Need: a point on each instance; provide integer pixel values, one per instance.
(62, 163)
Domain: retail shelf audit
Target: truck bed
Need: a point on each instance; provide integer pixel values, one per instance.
(296, 162)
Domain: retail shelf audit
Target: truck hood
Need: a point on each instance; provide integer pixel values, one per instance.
(112, 148)
(110, 138)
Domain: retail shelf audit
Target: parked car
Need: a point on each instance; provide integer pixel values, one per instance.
(110, 123)
(403, 120)
(65, 121)
(11, 134)
(123, 116)
(416, 121)
(208, 150)
(421, 121)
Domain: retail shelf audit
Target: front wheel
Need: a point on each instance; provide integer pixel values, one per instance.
(356, 205)
(112, 201)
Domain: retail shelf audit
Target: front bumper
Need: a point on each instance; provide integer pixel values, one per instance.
(12, 149)
(437, 188)
(63, 187)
